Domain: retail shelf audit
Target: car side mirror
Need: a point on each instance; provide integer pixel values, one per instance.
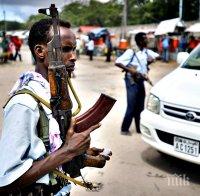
(181, 57)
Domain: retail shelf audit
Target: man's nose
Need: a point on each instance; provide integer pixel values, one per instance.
(73, 56)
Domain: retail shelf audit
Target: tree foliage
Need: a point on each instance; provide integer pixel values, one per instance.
(138, 12)
(34, 18)
(110, 14)
(11, 25)
(96, 13)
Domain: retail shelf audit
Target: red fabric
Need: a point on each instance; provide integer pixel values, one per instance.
(193, 44)
(17, 41)
(174, 43)
(86, 29)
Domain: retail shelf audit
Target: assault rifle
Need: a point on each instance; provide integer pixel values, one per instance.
(136, 75)
(59, 79)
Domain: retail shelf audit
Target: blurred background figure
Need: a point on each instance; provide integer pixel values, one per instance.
(109, 48)
(90, 48)
(11, 48)
(5, 47)
(165, 48)
(78, 47)
(192, 43)
(158, 43)
(183, 43)
(17, 43)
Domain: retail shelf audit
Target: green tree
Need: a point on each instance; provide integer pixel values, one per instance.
(147, 11)
(11, 25)
(190, 9)
(96, 13)
(110, 14)
(34, 18)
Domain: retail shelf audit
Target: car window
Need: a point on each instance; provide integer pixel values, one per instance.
(193, 62)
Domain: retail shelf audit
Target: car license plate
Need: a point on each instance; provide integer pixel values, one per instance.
(186, 146)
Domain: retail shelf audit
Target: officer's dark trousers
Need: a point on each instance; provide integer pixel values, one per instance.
(135, 104)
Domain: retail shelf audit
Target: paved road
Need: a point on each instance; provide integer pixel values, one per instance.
(135, 169)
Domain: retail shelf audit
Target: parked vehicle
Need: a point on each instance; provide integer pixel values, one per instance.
(171, 121)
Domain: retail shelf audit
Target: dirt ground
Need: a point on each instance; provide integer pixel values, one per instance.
(135, 168)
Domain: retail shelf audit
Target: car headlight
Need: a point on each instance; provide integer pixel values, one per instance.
(153, 104)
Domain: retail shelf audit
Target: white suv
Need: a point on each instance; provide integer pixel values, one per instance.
(171, 121)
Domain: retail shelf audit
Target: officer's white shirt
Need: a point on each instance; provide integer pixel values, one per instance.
(19, 143)
(139, 60)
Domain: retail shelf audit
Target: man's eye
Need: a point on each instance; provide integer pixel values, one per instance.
(67, 49)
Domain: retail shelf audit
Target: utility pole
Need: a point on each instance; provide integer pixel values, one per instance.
(124, 20)
(4, 18)
(123, 44)
(181, 9)
(199, 10)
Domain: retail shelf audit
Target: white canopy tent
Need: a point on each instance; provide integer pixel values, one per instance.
(195, 28)
(169, 26)
(135, 31)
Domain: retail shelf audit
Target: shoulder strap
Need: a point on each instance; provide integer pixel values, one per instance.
(146, 52)
(138, 60)
(131, 58)
(29, 92)
(43, 122)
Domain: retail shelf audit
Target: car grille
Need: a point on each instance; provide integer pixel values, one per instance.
(168, 138)
(165, 137)
(185, 114)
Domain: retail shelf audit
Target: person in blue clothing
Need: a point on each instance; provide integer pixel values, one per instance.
(183, 43)
(165, 46)
(136, 73)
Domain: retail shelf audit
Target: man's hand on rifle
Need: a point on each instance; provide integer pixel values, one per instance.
(78, 143)
(146, 77)
(132, 71)
(96, 157)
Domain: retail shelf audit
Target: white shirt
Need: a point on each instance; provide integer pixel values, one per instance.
(139, 60)
(20, 145)
(78, 44)
(90, 45)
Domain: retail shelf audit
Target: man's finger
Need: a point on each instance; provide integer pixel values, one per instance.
(70, 131)
(92, 128)
(97, 149)
(107, 158)
(94, 151)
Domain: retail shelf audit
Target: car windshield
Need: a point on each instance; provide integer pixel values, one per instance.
(193, 61)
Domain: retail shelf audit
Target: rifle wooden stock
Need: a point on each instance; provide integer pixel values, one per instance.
(95, 114)
(59, 89)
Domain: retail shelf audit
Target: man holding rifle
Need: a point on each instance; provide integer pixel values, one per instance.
(26, 168)
(135, 64)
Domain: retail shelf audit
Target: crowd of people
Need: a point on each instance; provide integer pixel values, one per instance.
(10, 46)
(166, 44)
(93, 46)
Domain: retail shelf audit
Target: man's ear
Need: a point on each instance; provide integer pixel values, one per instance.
(40, 51)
